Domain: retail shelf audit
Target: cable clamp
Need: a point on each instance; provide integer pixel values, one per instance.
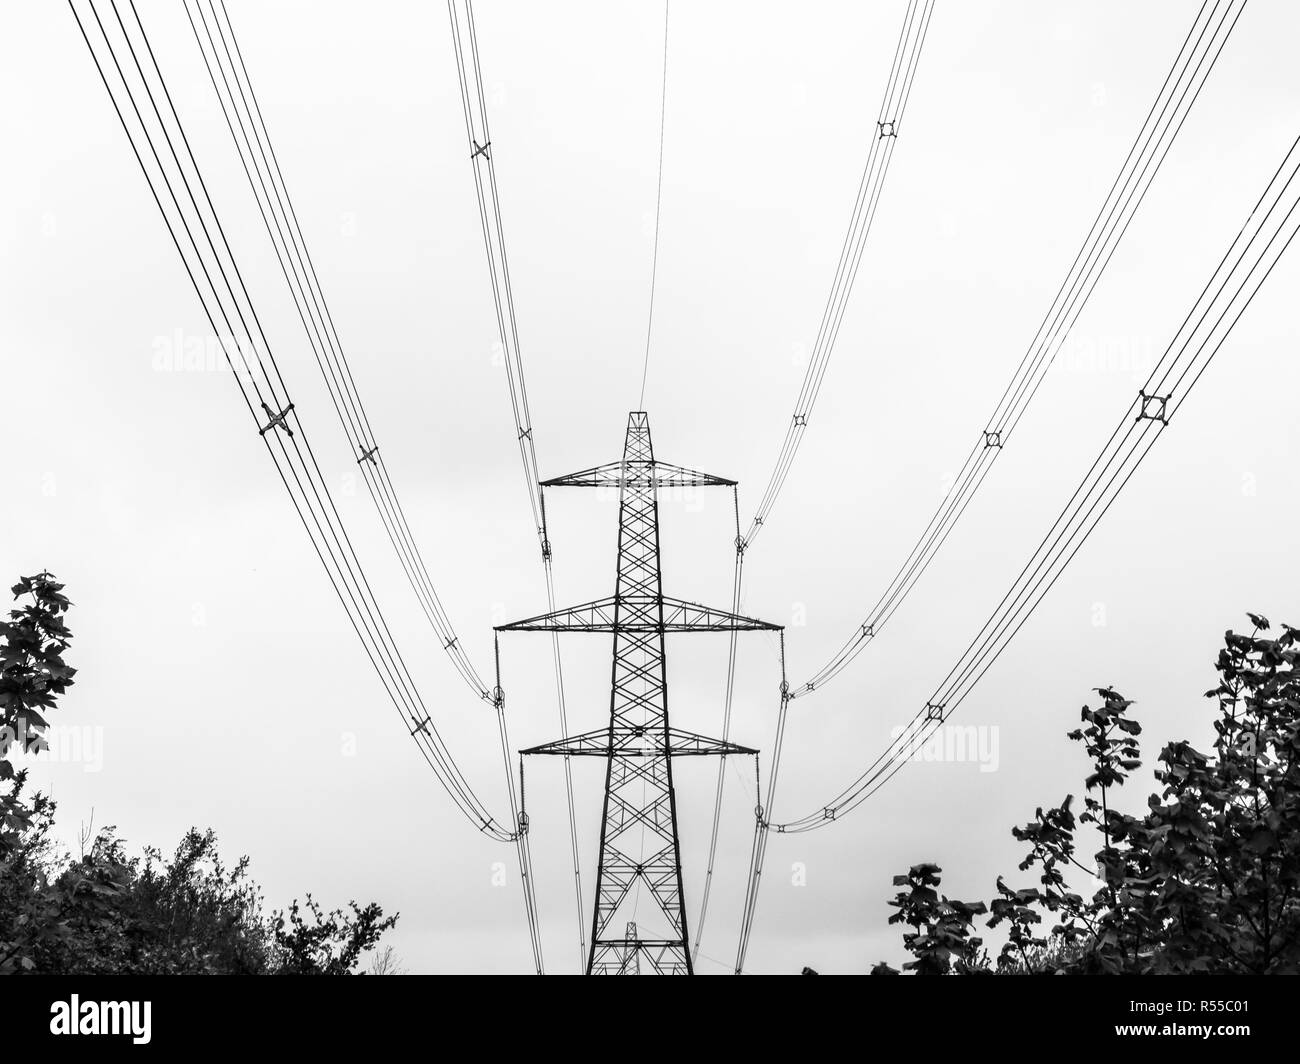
(498, 697)
(276, 420)
(993, 439)
(888, 129)
(741, 544)
(934, 711)
(480, 149)
(546, 550)
(1153, 407)
(369, 456)
(523, 823)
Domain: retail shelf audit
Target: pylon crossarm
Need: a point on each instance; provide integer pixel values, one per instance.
(639, 613)
(638, 475)
(638, 742)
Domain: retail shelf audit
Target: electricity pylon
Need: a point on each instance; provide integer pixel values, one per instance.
(638, 832)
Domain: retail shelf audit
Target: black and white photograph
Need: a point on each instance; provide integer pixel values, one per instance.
(659, 487)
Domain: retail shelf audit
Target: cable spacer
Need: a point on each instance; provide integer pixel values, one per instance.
(934, 711)
(1153, 407)
(276, 420)
(450, 643)
(888, 129)
(993, 439)
(525, 434)
(480, 149)
(423, 726)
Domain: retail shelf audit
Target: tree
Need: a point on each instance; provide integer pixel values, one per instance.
(1206, 880)
(107, 911)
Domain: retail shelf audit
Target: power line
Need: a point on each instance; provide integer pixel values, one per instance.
(482, 161)
(889, 118)
(300, 275)
(893, 106)
(283, 433)
(659, 192)
(1259, 245)
(322, 335)
(1174, 102)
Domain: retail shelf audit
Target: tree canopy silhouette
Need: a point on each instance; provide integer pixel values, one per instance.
(106, 911)
(1207, 879)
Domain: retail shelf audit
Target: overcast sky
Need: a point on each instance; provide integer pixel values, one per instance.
(231, 690)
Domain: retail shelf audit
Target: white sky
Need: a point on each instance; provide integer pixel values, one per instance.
(223, 673)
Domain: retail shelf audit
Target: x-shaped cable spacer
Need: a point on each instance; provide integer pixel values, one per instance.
(1153, 407)
(276, 420)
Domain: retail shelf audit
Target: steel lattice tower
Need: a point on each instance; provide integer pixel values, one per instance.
(638, 835)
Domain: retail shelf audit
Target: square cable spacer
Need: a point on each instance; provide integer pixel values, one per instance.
(369, 456)
(1153, 407)
(828, 813)
(888, 129)
(480, 149)
(934, 711)
(868, 631)
(801, 421)
(276, 420)
(993, 439)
